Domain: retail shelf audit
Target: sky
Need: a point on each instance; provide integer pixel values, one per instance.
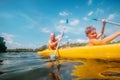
(28, 23)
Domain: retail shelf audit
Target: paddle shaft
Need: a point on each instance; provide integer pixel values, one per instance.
(54, 55)
(59, 42)
(110, 22)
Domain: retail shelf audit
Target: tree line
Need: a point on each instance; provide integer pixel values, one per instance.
(3, 47)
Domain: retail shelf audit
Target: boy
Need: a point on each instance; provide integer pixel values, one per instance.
(94, 37)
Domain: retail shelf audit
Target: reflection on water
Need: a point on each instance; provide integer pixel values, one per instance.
(29, 66)
(54, 67)
(97, 69)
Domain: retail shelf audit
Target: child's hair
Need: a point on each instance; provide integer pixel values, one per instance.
(89, 29)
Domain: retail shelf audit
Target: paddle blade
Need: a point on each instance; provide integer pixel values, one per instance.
(52, 57)
(67, 21)
(95, 19)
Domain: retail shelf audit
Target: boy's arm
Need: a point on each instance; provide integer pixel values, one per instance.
(105, 40)
(102, 30)
(111, 37)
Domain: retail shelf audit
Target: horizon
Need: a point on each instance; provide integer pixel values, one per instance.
(28, 23)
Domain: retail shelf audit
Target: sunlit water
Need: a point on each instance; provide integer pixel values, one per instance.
(30, 66)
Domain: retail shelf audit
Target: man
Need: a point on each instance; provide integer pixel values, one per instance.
(53, 42)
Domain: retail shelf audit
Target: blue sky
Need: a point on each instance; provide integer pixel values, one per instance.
(28, 23)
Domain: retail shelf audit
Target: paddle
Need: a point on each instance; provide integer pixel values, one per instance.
(53, 56)
(110, 22)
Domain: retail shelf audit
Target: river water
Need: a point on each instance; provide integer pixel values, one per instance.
(30, 66)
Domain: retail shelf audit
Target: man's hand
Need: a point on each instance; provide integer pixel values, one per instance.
(59, 39)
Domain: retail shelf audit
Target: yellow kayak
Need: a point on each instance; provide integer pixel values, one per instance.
(99, 52)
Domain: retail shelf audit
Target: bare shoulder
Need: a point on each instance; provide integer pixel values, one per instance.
(90, 43)
(49, 41)
(96, 42)
(93, 42)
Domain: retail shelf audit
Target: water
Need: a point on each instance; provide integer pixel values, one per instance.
(29, 66)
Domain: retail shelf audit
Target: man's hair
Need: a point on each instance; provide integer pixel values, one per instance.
(89, 29)
(52, 33)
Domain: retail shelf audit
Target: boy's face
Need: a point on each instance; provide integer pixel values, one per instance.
(92, 34)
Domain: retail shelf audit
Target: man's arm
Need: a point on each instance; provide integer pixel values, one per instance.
(53, 44)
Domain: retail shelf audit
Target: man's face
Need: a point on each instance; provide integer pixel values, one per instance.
(52, 36)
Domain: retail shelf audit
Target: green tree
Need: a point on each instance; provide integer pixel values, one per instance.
(2, 45)
(41, 48)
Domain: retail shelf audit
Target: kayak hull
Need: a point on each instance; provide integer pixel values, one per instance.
(99, 52)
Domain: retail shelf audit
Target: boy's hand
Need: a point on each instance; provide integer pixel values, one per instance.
(104, 21)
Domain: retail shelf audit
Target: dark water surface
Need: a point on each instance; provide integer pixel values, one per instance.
(29, 66)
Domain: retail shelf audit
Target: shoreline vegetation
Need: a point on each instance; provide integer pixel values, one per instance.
(43, 47)
(3, 47)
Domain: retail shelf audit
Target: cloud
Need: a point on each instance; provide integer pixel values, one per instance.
(45, 30)
(74, 22)
(71, 28)
(62, 21)
(29, 19)
(59, 27)
(80, 40)
(98, 11)
(111, 16)
(10, 43)
(89, 2)
(6, 15)
(85, 18)
(8, 37)
(77, 40)
(90, 13)
(66, 36)
(62, 24)
(63, 13)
